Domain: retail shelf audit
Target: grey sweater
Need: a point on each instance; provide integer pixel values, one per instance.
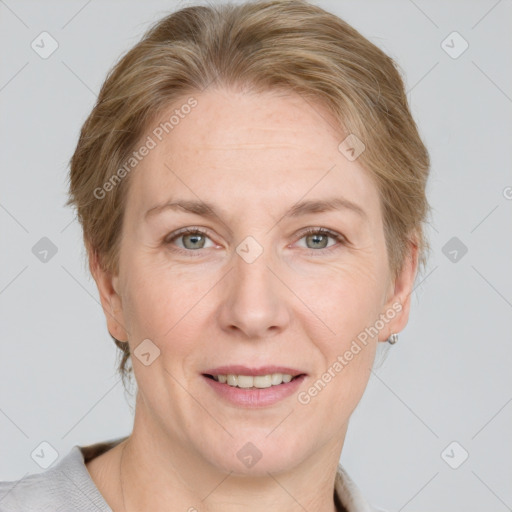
(68, 487)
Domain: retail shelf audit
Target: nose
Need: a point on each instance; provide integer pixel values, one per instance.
(254, 304)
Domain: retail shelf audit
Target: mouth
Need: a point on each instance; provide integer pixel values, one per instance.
(247, 387)
(253, 388)
(264, 381)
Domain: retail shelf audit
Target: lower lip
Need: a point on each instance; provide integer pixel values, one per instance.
(255, 397)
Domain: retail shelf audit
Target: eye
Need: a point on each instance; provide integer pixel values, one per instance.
(317, 238)
(191, 239)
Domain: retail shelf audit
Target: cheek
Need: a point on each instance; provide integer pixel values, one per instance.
(345, 296)
(347, 303)
(351, 381)
(345, 369)
(158, 301)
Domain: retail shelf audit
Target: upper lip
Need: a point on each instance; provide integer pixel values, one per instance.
(239, 369)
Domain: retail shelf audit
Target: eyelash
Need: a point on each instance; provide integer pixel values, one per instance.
(340, 239)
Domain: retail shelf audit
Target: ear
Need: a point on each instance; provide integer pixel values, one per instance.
(110, 298)
(399, 294)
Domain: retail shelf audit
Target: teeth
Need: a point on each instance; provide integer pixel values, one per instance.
(244, 381)
(259, 381)
(276, 378)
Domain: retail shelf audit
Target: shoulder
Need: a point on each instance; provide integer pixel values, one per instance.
(350, 495)
(65, 486)
(30, 493)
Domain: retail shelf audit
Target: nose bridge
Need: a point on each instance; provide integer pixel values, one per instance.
(251, 268)
(254, 303)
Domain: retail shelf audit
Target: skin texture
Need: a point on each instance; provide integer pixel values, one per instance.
(298, 304)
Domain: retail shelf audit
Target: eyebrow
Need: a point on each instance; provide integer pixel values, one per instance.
(302, 208)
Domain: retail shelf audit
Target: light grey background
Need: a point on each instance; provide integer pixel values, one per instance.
(448, 379)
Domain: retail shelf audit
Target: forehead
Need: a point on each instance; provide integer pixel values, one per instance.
(252, 149)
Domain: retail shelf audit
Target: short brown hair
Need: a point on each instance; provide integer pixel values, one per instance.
(264, 45)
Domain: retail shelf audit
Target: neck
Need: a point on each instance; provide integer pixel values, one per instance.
(156, 470)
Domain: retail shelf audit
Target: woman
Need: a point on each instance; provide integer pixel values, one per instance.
(251, 187)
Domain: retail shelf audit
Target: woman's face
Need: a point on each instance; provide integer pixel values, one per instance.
(253, 292)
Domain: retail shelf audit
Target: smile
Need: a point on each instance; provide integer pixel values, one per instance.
(257, 381)
(246, 387)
